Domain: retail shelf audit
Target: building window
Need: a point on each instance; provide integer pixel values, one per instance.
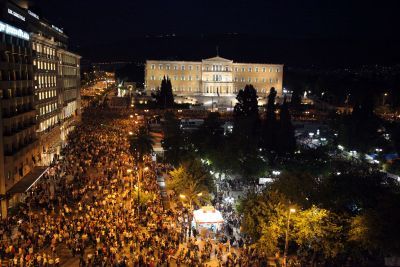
(183, 67)
(243, 69)
(277, 69)
(270, 80)
(249, 69)
(167, 67)
(190, 67)
(153, 66)
(160, 66)
(197, 68)
(249, 80)
(236, 69)
(263, 80)
(190, 78)
(270, 69)
(183, 78)
(175, 78)
(175, 67)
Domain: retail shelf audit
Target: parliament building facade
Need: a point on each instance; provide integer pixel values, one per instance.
(216, 78)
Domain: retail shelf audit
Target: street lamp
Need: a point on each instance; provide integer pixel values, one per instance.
(291, 210)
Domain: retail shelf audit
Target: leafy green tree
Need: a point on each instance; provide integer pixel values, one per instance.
(270, 127)
(174, 141)
(247, 105)
(246, 116)
(191, 171)
(165, 97)
(264, 220)
(318, 234)
(286, 138)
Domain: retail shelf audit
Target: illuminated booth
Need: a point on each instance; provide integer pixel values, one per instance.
(207, 217)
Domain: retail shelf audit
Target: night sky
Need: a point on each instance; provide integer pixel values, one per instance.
(98, 28)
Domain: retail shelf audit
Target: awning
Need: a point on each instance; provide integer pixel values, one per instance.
(207, 215)
(28, 180)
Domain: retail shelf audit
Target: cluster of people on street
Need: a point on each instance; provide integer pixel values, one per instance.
(86, 210)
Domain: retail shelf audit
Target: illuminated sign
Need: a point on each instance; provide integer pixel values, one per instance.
(57, 29)
(10, 30)
(33, 14)
(15, 14)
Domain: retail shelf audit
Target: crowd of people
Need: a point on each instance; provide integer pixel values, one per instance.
(84, 210)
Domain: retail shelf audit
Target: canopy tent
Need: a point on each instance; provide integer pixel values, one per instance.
(208, 217)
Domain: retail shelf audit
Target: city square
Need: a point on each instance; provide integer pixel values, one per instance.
(160, 134)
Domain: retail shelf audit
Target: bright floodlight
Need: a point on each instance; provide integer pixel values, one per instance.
(292, 210)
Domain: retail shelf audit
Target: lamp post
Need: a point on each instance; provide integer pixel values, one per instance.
(291, 210)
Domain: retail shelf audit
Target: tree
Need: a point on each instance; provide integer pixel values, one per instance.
(269, 137)
(173, 142)
(245, 136)
(192, 183)
(165, 97)
(318, 234)
(287, 140)
(247, 105)
(264, 220)
(141, 144)
(190, 171)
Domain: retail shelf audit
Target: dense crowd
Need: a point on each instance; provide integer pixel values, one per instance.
(85, 207)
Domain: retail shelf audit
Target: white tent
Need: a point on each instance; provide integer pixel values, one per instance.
(208, 217)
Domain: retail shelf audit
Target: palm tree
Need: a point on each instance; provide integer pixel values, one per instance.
(141, 144)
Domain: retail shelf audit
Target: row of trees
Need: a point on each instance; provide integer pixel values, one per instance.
(254, 140)
(339, 219)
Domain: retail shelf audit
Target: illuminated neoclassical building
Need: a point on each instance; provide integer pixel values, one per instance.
(216, 77)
